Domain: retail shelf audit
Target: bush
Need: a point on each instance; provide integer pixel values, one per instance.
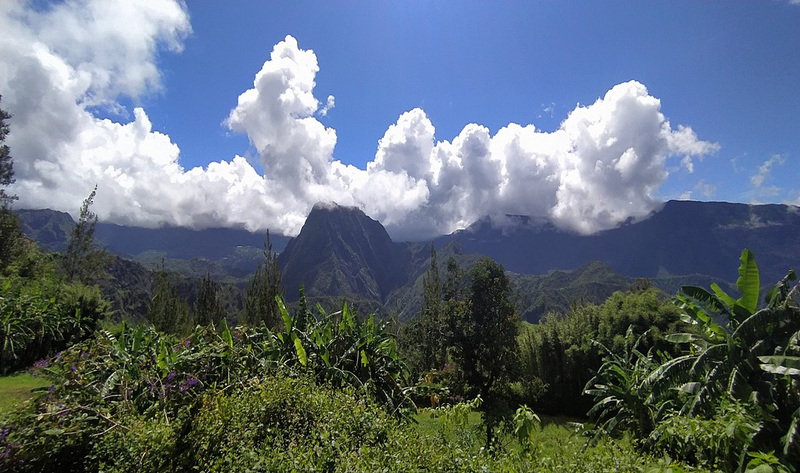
(720, 442)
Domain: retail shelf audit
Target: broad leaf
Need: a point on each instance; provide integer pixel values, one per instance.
(723, 296)
(287, 319)
(301, 352)
(748, 283)
(781, 365)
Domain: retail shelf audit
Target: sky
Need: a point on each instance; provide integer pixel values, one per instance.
(427, 115)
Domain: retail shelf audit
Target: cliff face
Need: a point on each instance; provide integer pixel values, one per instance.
(342, 252)
(683, 238)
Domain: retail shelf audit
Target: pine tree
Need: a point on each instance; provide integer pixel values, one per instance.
(82, 261)
(432, 328)
(207, 309)
(6, 161)
(260, 305)
(10, 233)
(166, 310)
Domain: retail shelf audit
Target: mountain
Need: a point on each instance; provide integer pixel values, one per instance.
(556, 291)
(683, 238)
(49, 228)
(228, 253)
(340, 252)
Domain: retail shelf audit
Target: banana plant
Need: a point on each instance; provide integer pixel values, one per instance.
(622, 391)
(740, 351)
(339, 349)
(730, 335)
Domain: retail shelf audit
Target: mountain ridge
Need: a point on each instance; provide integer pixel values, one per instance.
(342, 253)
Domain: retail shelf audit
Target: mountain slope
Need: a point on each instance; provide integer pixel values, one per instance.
(342, 252)
(229, 253)
(682, 238)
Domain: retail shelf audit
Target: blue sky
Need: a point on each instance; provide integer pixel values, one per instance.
(729, 71)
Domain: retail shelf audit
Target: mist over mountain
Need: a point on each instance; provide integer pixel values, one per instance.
(683, 238)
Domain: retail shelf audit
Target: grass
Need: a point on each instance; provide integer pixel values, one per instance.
(16, 388)
(559, 446)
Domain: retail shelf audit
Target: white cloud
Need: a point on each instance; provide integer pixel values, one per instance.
(601, 167)
(329, 104)
(764, 170)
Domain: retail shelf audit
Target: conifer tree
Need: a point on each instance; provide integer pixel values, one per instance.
(207, 309)
(432, 328)
(166, 310)
(83, 262)
(260, 305)
(6, 161)
(10, 233)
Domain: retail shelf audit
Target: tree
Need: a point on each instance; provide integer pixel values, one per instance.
(166, 310)
(10, 233)
(207, 309)
(259, 304)
(484, 340)
(424, 336)
(82, 261)
(6, 162)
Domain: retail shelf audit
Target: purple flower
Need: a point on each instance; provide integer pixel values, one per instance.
(171, 375)
(187, 343)
(41, 364)
(73, 368)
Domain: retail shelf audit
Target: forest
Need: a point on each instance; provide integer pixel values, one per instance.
(701, 380)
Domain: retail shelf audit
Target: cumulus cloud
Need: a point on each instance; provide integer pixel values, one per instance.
(601, 167)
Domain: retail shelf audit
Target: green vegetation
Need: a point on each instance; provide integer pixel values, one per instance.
(561, 353)
(729, 399)
(705, 382)
(264, 287)
(167, 311)
(14, 389)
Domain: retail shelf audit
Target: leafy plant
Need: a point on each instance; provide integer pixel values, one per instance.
(622, 390)
(526, 424)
